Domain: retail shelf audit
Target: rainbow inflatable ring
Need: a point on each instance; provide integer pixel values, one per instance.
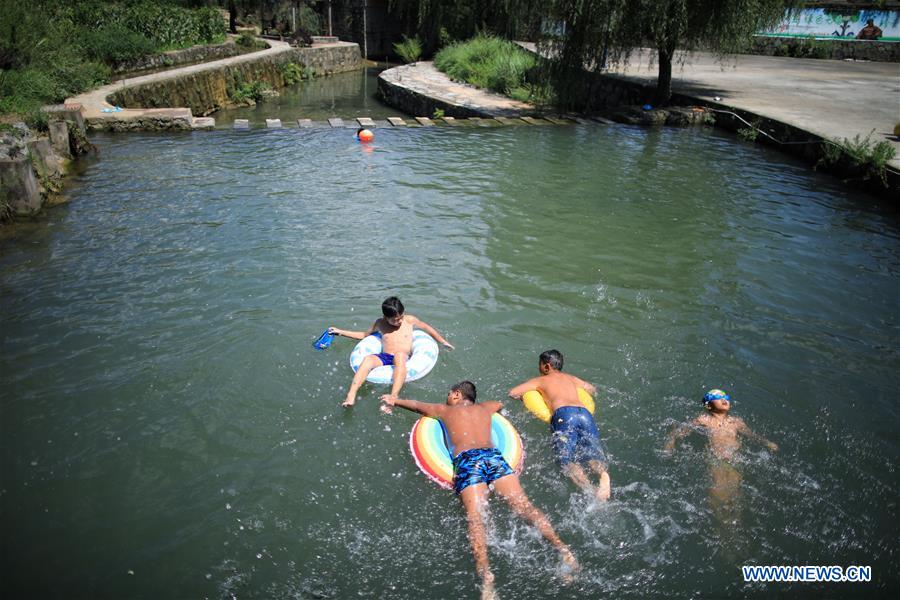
(428, 444)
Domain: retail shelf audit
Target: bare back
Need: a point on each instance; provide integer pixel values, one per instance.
(469, 425)
(559, 389)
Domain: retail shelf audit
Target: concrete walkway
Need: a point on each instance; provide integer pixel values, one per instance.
(830, 98)
(422, 79)
(94, 102)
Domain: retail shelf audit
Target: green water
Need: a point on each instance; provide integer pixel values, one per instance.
(168, 431)
(346, 95)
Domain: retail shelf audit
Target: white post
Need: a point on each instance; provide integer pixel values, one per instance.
(329, 19)
(365, 30)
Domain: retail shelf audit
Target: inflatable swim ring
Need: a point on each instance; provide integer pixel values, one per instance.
(428, 444)
(535, 403)
(423, 358)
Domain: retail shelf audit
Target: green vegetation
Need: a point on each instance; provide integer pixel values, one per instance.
(53, 49)
(409, 50)
(861, 155)
(808, 47)
(486, 62)
(438, 113)
(295, 72)
(749, 134)
(250, 91)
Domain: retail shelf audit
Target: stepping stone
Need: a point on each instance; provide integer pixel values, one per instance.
(273, 123)
(533, 121)
(557, 121)
(365, 122)
(424, 121)
(603, 120)
(581, 120)
(304, 123)
(396, 121)
(336, 122)
(507, 121)
(242, 124)
(203, 123)
(450, 121)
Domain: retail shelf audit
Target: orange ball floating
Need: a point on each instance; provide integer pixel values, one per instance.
(365, 135)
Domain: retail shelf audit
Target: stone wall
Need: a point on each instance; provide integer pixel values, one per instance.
(836, 49)
(32, 165)
(187, 56)
(209, 90)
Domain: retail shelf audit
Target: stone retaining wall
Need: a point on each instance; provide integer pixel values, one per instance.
(209, 90)
(187, 56)
(836, 49)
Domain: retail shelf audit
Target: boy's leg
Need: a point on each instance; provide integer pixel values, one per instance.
(576, 473)
(368, 363)
(399, 374)
(474, 499)
(604, 488)
(511, 491)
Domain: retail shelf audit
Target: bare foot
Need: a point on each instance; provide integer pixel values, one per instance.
(349, 401)
(605, 488)
(570, 565)
(386, 409)
(487, 587)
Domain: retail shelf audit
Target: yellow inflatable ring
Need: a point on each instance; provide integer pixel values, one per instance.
(535, 403)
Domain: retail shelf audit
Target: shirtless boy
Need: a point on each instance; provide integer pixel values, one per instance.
(477, 464)
(396, 330)
(722, 428)
(576, 440)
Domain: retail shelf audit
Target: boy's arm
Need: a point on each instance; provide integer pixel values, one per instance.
(519, 390)
(677, 433)
(417, 322)
(744, 429)
(357, 335)
(423, 408)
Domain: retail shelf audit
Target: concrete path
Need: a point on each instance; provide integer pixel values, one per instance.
(94, 102)
(423, 79)
(833, 99)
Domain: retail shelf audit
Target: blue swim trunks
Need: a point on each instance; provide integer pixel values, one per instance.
(575, 436)
(478, 465)
(386, 359)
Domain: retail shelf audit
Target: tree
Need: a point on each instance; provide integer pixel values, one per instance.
(597, 32)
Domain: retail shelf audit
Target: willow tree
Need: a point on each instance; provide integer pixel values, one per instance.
(436, 22)
(588, 34)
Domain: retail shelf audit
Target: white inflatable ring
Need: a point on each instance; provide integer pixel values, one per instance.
(424, 356)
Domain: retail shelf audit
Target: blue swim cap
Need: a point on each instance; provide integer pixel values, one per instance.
(715, 395)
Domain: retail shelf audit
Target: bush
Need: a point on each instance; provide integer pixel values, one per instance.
(409, 50)
(247, 91)
(115, 45)
(291, 72)
(246, 40)
(486, 62)
(863, 157)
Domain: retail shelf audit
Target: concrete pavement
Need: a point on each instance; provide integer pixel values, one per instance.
(829, 98)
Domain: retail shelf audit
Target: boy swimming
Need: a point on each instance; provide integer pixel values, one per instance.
(477, 464)
(396, 330)
(722, 428)
(576, 440)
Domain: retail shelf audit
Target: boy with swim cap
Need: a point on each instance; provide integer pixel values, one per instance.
(576, 440)
(477, 464)
(396, 331)
(722, 428)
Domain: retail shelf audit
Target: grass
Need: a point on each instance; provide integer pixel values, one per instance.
(487, 62)
(864, 157)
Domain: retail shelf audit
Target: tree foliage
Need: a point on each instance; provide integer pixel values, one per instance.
(590, 34)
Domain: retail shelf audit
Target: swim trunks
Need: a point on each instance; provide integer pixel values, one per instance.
(575, 436)
(386, 359)
(478, 465)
